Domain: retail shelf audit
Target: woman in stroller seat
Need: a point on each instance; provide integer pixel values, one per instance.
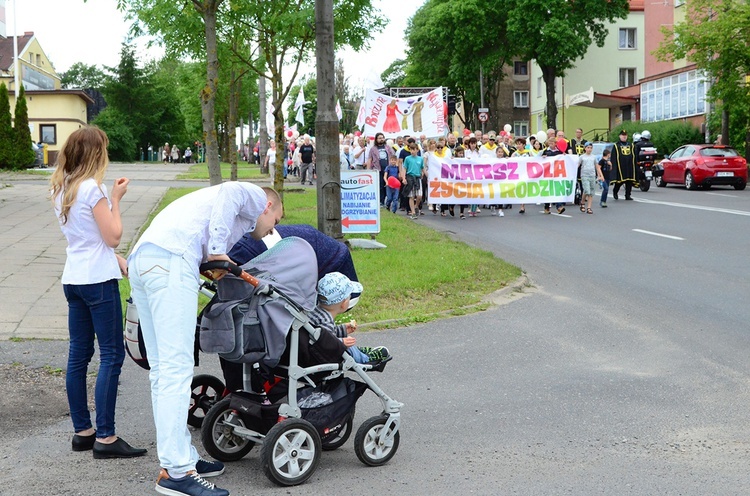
(334, 293)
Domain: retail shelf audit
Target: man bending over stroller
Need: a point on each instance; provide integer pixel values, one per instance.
(334, 292)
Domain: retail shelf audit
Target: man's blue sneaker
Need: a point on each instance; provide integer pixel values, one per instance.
(190, 485)
(206, 468)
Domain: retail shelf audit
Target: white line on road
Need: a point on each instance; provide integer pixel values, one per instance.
(722, 194)
(659, 234)
(695, 207)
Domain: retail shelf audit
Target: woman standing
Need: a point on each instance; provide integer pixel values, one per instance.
(90, 221)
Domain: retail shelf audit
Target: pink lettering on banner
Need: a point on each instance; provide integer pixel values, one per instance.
(375, 112)
(463, 171)
(435, 101)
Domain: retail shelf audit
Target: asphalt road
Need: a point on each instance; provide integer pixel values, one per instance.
(622, 371)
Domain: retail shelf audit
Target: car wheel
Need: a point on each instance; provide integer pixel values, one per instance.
(740, 185)
(690, 181)
(660, 182)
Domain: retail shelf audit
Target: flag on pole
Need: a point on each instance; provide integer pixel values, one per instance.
(299, 106)
(339, 113)
(361, 115)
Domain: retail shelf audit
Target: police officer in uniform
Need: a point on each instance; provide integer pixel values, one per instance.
(623, 166)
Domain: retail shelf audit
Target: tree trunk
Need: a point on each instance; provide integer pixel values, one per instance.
(548, 74)
(326, 125)
(724, 125)
(234, 102)
(263, 128)
(278, 121)
(250, 139)
(208, 93)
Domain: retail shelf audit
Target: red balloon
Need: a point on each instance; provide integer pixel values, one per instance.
(466, 132)
(562, 145)
(357, 134)
(393, 182)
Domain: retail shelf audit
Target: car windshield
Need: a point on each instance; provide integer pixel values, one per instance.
(718, 152)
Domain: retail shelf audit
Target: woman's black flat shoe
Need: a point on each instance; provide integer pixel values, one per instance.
(83, 443)
(118, 449)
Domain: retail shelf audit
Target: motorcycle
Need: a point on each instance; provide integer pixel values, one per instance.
(645, 167)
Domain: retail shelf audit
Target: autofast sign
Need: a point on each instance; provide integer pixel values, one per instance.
(360, 202)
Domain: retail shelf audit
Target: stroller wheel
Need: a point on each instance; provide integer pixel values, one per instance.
(218, 436)
(291, 452)
(341, 437)
(205, 390)
(367, 446)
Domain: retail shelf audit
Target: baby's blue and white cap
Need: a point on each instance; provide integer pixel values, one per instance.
(335, 287)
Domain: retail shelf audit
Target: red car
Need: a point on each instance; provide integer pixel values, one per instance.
(704, 165)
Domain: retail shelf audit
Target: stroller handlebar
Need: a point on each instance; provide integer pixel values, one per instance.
(234, 269)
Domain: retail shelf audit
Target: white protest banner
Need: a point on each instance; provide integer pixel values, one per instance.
(414, 115)
(493, 181)
(360, 202)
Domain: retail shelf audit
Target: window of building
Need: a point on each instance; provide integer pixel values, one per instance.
(627, 39)
(521, 99)
(520, 128)
(674, 97)
(38, 59)
(539, 86)
(627, 77)
(48, 133)
(520, 68)
(31, 58)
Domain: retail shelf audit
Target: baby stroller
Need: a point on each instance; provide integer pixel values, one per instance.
(259, 316)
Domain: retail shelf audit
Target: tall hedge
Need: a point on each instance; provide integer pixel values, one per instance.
(24, 155)
(666, 136)
(7, 142)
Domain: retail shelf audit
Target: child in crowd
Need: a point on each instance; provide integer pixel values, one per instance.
(334, 292)
(605, 165)
(591, 172)
(392, 184)
(500, 152)
(413, 170)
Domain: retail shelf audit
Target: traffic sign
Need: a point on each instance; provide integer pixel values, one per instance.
(483, 116)
(360, 201)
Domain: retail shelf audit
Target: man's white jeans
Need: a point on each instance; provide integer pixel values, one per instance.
(164, 288)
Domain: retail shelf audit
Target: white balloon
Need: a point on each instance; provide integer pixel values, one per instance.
(508, 128)
(541, 136)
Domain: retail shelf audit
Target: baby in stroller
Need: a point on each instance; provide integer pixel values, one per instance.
(334, 293)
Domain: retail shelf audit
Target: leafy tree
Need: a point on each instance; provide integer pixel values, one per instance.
(193, 32)
(348, 100)
(449, 40)
(147, 99)
(23, 154)
(6, 130)
(283, 30)
(83, 76)
(715, 35)
(556, 33)
(116, 124)
(395, 74)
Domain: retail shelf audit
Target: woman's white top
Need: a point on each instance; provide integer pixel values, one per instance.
(90, 260)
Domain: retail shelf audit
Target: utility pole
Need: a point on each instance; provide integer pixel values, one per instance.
(326, 125)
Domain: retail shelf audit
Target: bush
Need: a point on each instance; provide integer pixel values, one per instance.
(666, 136)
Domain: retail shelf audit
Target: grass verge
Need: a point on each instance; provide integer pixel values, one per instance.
(244, 171)
(422, 275)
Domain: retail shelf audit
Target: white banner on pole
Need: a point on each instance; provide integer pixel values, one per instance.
(414, 115)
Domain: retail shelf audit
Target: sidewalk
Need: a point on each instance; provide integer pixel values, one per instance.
(32, 247)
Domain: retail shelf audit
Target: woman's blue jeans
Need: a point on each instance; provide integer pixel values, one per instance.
(94, 310)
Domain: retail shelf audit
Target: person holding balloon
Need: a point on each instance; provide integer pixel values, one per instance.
(392, 184)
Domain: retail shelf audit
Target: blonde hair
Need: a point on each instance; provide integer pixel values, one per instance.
(83, 156)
